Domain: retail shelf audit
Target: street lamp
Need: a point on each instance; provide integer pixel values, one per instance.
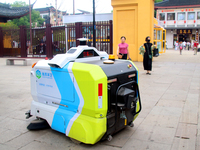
(30, 50)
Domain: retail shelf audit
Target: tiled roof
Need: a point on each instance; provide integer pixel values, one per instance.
(47, 9)
(178, 3)
(7, 12)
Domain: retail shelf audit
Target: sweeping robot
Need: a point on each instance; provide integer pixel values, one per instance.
(85, 94)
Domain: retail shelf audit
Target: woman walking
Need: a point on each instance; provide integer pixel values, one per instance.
(147, 61)
(195, 47)
(122, 50)
(181, 47)
(176, 45)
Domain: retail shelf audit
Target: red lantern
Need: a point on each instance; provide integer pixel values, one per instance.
(184, 21)
(194, 21)
(174, 21)
(164, 22)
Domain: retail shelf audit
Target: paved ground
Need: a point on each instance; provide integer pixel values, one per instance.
(169, 120)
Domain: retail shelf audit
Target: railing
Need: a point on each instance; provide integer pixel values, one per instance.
(51, 40)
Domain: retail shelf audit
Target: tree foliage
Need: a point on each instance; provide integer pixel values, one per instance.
(9, 25)
(157, 1)
(19, 4)
(25, 20)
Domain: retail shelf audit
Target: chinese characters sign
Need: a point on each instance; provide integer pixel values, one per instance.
(184, 31)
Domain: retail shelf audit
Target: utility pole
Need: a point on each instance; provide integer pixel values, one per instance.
(56, 13)
(73, 7)
(94, 25)
(30, 48)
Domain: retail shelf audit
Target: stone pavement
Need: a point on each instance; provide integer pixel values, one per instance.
(169, 119)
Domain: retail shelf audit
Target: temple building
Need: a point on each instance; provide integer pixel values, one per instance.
(7, 12)
(180, 18)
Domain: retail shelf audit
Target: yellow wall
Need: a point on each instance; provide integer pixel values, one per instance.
(155, 21)
(7, 41)
(133, 19)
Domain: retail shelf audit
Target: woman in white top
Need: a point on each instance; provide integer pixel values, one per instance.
(176, 45)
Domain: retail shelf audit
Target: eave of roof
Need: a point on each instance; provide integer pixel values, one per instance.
(13, 12)
(184, 6)
(177, 4)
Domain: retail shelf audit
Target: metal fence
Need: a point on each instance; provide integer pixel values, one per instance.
(51, 40)
(11, 42)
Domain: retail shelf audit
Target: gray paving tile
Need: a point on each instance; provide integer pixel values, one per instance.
(8, 135)
(25, 138)
(185, 137)
(6, 147)
(163, 135)
(135, 144)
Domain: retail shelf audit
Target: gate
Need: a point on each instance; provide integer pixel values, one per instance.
(38, 42)
(104, 31)
(49, 41)
(103, 35)
(11, 43)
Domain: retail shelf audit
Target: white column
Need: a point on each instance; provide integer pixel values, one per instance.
(165, 19)
(195, 18)
(176, 19)
(186, 17)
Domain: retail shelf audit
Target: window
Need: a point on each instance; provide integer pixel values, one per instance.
(45, 16)
(198, 15)
(181, 16)
(87, 53)
(191, 15)
(71, 51)
(171, 16)
(162, 16)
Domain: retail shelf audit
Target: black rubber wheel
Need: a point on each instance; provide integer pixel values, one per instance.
(131, 124)
(109, 138)
(38, 124)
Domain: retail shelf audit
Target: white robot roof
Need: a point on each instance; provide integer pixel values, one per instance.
(73, 54)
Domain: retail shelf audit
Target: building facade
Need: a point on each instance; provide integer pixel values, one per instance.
(181, 19)
(49, 14)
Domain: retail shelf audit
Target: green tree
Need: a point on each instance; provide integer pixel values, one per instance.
(19, 4)
(25, 20)
(157, 1)
(9, 25)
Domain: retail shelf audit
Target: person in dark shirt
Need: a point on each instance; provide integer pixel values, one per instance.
(147, 61)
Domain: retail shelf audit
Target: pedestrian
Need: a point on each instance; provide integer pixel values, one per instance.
(184, 45)
(147, 61)
(176, 45)
(122, 50)
(181, 47)
(195, 47)
(192, 44)
(188, 45)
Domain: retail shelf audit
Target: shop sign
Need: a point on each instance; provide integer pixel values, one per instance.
(184, 31)
(167, 10)
(183, 10)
